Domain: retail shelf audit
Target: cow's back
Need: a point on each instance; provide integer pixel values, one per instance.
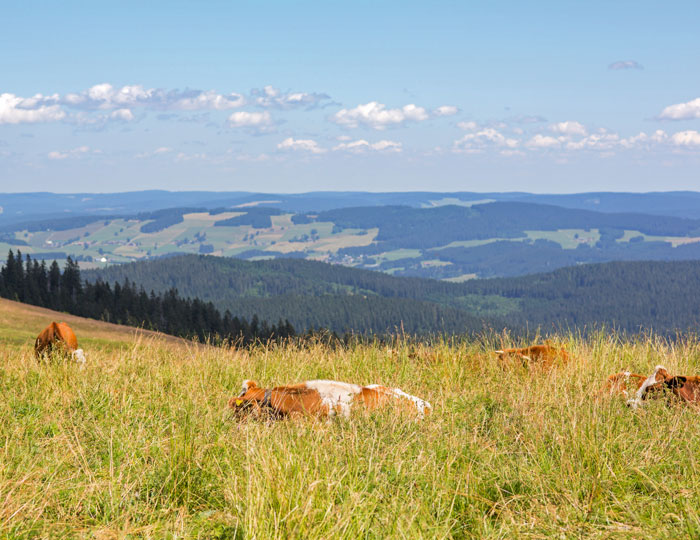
(55, 335)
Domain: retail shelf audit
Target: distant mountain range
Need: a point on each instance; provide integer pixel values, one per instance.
(631, 296)
(448, 236)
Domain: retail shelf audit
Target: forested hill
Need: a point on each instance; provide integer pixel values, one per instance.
(663, 296)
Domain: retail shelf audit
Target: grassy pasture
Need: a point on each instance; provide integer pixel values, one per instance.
(140, 444)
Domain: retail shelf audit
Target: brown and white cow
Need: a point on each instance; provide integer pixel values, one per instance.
(323, 398)
(58, 338)
(542, 355)
(684, 387)
(623, 383)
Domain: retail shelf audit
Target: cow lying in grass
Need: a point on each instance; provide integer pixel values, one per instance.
(541, 355)
(622, 383)
(58, 338)
(661, 382)
(323, 398)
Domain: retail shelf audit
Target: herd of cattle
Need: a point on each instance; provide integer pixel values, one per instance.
(331, 398)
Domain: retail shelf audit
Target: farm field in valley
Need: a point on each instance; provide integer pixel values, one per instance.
(139, 442)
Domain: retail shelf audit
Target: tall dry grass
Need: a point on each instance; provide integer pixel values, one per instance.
(139, 444)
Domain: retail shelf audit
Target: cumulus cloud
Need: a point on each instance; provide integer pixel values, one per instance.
(261, 121)
(478, 142)
(377, 116)
(17, 110)
(74, 153)
(467, 126)
(446, 110)
(105, 97)
(686, 138)
(625, 64)
(303, 145)
(543, 141)
(271, 97)
(122, 114)
(362, 145)
(568, 128)
(682, 111)
(157, 152)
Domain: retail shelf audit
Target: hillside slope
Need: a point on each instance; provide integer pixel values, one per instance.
(20, 324)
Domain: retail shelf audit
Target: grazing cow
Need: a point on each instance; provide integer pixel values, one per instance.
(322, 398)
(58, 337)
(684, 387)
(622, 384)
(543, 355)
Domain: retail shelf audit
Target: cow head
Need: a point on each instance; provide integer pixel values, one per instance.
(250, 395)
(654, 383)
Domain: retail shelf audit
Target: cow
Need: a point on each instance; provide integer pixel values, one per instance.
(322, 398)
(58, 338)
(684, 387)
(542, 355)
(622, 384)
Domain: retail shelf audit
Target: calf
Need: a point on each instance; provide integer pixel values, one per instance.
(58, 338)
(322, 398)
(543, 355)
(684, 387)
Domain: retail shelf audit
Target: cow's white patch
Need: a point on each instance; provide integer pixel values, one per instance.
(420, 404)
(245, 387)
(649, 381)
(337, 396)
(79, 356)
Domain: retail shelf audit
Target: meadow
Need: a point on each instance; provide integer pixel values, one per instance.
(140, 444)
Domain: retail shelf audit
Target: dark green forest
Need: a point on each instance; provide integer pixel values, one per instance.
(632, 296)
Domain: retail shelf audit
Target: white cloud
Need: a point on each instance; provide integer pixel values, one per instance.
(478, 142)
(182, 156)
(686, 138)
(157, 152)
(208, 100)
(682, 111)
(304, 145)
(362, 145)
(446, 110)
(122, 114)
(543, 141)
(17, 110)
(625, 64)
(595, 141)
(467, 126)
(250, 119)
(377, 116)
(275, 98)
(76, 152)
(568, 128)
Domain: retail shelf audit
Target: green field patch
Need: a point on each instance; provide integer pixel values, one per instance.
(475, 243)
(567, 238)
(461, 279)
(398, 254)
(675, 241)
(432, 263)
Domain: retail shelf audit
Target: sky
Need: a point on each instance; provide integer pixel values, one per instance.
(279, 96)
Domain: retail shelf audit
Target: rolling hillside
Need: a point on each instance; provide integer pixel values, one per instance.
(450, 239)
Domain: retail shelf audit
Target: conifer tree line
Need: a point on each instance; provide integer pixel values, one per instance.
(32, 282)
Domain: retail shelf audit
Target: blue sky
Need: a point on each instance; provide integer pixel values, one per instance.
(381, 96)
